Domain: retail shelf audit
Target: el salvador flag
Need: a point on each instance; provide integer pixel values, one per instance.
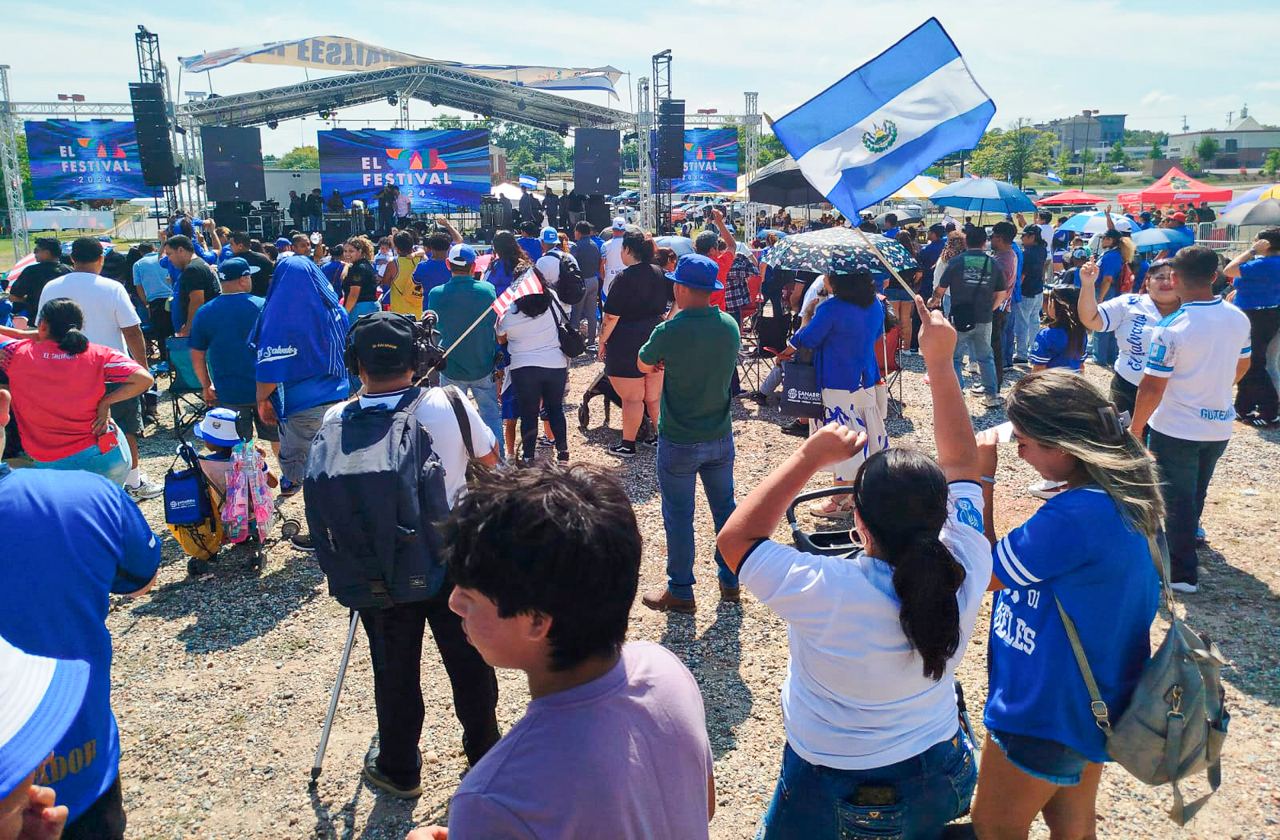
(886, 122)
(1052, 177)
(529, 181)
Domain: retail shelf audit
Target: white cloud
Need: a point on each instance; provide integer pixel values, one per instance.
(1271, 84)
(1157, 97)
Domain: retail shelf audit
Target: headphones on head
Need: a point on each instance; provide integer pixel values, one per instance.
(427, 355)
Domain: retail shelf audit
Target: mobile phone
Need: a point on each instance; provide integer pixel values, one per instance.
(316, 238)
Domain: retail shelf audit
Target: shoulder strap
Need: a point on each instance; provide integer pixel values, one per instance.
(464, 422)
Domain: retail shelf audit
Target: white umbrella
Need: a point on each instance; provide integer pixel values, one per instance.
(1096, 222)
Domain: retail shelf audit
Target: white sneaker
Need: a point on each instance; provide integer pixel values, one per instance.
(1046, 489)
(1184, 587)
(992, 401)
(144, 489)
(977, 390)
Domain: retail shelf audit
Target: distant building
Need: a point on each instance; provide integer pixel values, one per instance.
(1098, 132)
(1244, 143)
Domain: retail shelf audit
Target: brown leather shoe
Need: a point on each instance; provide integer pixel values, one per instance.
(730, 594)
(663, 601)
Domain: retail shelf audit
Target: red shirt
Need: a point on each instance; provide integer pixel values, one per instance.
(56, 394)
(724, 260)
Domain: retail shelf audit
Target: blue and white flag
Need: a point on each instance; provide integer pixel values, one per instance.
(886, 122)
(529, 181)
(1052, 177)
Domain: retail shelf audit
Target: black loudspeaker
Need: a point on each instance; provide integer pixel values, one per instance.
(337, 231)
(233, 163)
(671, 138)
(232, 214)
(597, 160)
(151, 124)
(598, 212)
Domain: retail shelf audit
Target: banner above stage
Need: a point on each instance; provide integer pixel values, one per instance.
(333, 52)
(85, 160)
(439, 171)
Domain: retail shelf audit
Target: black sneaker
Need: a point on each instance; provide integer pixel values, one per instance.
(302, 542)
(798, 429)
(563, 457)
(623, 450)
(543, 440)
(378, 779)
(651, 440)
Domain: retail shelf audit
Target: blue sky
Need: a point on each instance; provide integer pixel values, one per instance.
(1155, 61)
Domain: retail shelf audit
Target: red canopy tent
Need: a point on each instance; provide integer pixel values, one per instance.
(1176, 187)
(1068, 198)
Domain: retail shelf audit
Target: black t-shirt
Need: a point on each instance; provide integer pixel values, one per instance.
(196, 277)
(262, 279)
(360, 273)
(640, 292)
(33, 279)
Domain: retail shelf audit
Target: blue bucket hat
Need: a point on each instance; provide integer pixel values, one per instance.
(39, 699)
(697, 272)
(218, 427)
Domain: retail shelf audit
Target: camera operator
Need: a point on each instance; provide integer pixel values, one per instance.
(386, 347)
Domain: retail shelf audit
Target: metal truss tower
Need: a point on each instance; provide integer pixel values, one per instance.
(12, 170)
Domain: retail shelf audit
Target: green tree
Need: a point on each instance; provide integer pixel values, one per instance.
(1064, 161)
(300, 157)
(1086, 160)
(1157, 150)
(1116, 153)
(1271, 165)
(1014, 153)
(531, 150)
(24, 164)
(1207, 150)
(1191, 164)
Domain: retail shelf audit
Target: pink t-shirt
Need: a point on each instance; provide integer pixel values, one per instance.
(56, 394)
(623, 756)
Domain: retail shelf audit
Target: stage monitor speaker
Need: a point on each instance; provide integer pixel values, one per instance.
(598, 212)
(671, 139)
(231, 214)
(233, 163)
(337, 231)
(151, 123)
(597, 160)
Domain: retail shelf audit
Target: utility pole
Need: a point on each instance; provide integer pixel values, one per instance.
(1185, 127)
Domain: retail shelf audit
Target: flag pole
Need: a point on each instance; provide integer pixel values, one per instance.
(875, 249)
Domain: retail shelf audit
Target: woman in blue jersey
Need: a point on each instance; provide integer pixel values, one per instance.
(1087, 550)
(1060, 342)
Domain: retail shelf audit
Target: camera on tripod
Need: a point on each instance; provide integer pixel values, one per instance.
(428, 357)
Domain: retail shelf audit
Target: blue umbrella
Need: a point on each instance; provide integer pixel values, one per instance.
(680, 244)
(1251, 195)
(1159, 239)
(983, 195)
(1096, 222)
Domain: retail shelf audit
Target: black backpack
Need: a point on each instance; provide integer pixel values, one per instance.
(570, 288)
(374, 492)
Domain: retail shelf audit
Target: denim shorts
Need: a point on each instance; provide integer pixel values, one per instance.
(1048, 760)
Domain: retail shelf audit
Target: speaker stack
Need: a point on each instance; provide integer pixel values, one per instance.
(671, 139)
(151, 123)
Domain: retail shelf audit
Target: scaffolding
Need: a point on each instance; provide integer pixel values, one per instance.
(12, 171)
(644, 136)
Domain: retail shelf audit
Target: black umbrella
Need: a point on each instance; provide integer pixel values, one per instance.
(782, 183)
(838, 250)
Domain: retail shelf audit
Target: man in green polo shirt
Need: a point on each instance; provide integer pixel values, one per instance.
(457, 304)
(698, 351)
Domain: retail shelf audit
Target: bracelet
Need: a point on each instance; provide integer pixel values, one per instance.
(989, 479)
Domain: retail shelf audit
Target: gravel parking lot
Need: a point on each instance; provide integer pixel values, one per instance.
(220, 684)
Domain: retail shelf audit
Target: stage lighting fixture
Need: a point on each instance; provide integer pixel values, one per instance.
(323, 113)
(392, 99)
(563, 130)
(273, 124)
(179, 129)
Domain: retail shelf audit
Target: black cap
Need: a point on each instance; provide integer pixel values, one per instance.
(383, 339)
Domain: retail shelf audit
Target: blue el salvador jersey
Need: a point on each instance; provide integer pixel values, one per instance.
(1079, 548)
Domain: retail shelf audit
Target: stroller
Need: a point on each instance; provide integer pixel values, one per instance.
(602, 388)
(193, 508)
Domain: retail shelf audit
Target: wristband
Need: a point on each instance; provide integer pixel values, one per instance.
(988, 479)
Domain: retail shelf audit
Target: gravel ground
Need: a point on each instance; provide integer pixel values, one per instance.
(221, 684)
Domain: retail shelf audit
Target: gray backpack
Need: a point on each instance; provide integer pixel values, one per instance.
(1176, 720)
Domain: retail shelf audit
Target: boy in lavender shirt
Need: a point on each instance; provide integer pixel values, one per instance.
(614, 742)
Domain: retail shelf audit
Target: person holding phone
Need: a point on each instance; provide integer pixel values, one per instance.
(869, 705)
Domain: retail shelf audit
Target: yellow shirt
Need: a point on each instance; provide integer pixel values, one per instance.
(406, 295)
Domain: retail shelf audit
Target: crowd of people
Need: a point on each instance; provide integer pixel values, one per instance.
(288, 339)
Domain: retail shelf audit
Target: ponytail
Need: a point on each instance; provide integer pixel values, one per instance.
(901, 498)
(64, 320)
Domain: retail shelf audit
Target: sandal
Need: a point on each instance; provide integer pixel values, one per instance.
(833, 510)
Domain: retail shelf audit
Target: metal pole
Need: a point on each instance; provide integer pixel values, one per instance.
(11, 169)
(333, 698)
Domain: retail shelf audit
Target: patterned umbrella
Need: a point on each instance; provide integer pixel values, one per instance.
(839, 250)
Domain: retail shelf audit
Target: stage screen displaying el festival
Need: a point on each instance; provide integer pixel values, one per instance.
(85, 160)
(440, 171)
(710, 161)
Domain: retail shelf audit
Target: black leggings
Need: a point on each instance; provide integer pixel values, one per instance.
(1256, 391)
(538, 386)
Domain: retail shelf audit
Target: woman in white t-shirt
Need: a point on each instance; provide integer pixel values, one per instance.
(539, 370)
(1133, 318)
(869, 707)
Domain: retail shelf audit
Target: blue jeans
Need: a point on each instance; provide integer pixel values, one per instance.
(112, 465)
(1026, 323)
(587, 308)
(1006, 339)
(1104, 348)
(976, 344)
(914, 798)
(1186, 468)
(485, 393)
(679, 465)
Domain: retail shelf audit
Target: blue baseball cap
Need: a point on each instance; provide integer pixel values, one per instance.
(39, 700)
(283, 244)
(235, 268)
(550, 236)
(462, 254)
(697, 272)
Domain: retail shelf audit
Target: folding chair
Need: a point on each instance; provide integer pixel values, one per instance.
(891, 367)
(185, 391)
(763, 337)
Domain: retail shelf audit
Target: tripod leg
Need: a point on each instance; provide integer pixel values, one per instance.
(333, 698)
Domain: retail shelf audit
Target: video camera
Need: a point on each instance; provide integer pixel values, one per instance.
(428, 357)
